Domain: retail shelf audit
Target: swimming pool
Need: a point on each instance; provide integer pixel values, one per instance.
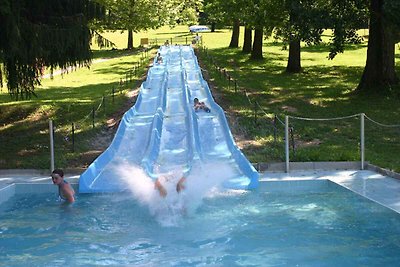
(304, 223)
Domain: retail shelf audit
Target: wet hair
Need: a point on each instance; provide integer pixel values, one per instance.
(195, 100)
(59, 172)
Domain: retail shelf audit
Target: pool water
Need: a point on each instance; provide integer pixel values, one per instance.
(279, 224)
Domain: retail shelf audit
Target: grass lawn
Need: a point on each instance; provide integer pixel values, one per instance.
(323, 89)
(67, 99)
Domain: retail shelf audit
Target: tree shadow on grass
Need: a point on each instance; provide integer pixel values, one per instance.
(173, 33)
(117, 68)
(114, 53)
(326, 48)
(27, 135)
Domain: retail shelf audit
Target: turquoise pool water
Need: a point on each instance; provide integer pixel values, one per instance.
(303, 223)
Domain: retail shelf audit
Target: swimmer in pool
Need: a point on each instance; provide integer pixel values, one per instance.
(65, 191)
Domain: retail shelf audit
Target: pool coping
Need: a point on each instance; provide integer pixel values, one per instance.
(374, 183)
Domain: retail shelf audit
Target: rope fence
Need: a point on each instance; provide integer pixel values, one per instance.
(177, 40)
(67, 138)
(59, 137)
(276, 121)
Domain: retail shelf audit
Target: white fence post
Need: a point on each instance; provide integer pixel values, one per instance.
(287, 143)
(362, 140)
(51, 145)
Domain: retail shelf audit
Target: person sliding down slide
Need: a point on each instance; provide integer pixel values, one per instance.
(200, 105)
(159, 59)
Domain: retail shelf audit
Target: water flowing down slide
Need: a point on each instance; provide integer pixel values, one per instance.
(163, 133)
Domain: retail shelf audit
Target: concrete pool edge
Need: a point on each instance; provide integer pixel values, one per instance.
(261, 167)
(377, 184)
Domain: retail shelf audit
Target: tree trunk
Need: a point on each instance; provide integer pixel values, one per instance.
(247, 40)
(294, 63)
(379, 72)
(235, 34)
(213, 26)
(257, 53)
(130, 40)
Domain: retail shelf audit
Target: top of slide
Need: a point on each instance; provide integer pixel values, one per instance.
(162, 132)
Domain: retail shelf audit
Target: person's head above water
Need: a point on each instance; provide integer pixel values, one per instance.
(196, 100)
(57, 175)
(59, 172)
(65, 191)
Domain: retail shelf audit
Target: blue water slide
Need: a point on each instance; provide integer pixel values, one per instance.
(162, 131)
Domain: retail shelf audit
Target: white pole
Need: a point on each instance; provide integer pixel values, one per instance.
(362, 141)
(287, 143)
(51, 145)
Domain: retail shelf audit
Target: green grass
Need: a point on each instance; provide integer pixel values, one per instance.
(323, 89)
(120, 38)
(66, 99)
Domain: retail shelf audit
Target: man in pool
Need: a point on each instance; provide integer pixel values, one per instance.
(161, 189)
(65, 191)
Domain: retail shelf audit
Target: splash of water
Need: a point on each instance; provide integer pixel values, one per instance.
(202, 181)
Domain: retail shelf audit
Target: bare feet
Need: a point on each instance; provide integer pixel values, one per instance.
(160, 188)
(180, 185)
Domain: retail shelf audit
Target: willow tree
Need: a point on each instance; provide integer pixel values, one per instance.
(42, 33)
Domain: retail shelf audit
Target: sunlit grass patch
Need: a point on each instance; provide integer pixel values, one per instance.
(324, 89)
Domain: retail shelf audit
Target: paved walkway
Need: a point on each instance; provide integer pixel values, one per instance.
(382, 189)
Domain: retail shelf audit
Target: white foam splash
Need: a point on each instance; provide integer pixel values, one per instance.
(204, 180)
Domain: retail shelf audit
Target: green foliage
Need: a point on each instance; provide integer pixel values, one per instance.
(391, 10)
(224, 12)
(345, 18)
(66, 99)
(45, 33)
(324, 89)
(139, 15)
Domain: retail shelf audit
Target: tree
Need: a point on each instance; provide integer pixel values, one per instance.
(138, 15)
(299, 21)
(260, 16)
(384, 32)
(133, 16)
(248, 37)
(257, 52)
(212, 14)
(235, 34)
(227, 13)
(45, 33)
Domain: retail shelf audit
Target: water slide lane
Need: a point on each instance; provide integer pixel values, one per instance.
(162, 132)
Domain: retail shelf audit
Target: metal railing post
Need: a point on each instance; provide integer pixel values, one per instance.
(93, 114)
(362, 140)
(287, 143)
(275, 132)
(73, 137)
(51, 145)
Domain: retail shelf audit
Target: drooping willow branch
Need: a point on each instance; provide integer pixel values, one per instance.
(43, 33)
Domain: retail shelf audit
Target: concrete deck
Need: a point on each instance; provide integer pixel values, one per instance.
(370, 184)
